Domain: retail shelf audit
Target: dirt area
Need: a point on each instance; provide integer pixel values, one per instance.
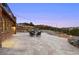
(46, 44)
(59, 34)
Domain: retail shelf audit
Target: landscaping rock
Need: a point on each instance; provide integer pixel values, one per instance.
(74, 41)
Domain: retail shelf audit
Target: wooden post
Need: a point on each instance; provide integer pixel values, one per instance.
(0, 44)
(0, 26)
(0, 40)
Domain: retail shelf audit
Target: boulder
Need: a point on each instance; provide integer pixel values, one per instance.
(74, 41)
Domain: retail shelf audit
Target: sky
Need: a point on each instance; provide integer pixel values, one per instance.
(52, 14)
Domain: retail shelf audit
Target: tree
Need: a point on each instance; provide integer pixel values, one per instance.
(74, 32)
(31, 24)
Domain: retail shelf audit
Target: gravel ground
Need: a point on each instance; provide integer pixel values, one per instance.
(46, 44)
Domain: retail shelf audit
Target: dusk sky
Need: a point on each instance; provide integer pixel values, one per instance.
(58, 15)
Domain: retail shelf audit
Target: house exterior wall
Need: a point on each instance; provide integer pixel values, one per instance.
(7, 23)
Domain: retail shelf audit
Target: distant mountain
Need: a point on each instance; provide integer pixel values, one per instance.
(25, 24)
(70, 28)
(45, 27)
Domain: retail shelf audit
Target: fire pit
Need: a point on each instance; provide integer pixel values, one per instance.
(35, 32)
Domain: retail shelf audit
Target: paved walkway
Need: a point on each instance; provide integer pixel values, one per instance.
(22, 43)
